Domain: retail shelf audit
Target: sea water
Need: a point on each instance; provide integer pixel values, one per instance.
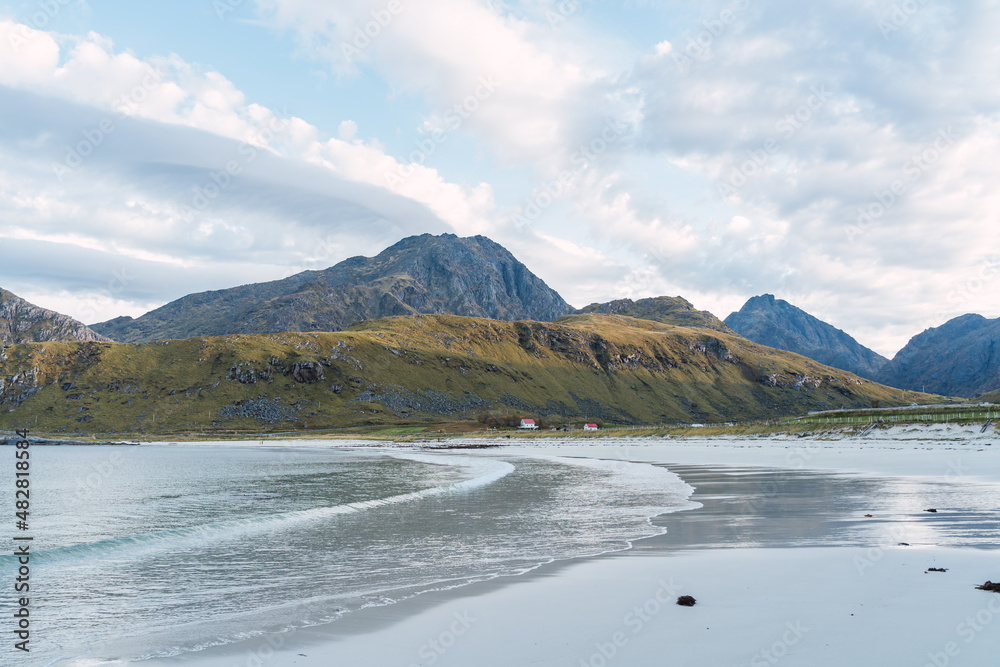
(162, 550)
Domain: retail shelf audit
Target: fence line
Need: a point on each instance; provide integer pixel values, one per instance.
(927, 417)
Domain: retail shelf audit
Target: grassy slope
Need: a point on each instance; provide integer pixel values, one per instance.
(622, 369)
(989, 397)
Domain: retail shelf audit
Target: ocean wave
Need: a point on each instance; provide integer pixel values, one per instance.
(484, 472)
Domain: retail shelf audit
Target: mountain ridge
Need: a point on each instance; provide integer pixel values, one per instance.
(474, 276)
(779, 324)
(666, 309)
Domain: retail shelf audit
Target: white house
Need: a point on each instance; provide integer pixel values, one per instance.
(590, 427)
(528, 423)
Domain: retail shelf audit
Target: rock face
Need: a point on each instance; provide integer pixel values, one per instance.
(419, 275)
(23, 322)
(667, 309)
(959, 358)
(779, 324)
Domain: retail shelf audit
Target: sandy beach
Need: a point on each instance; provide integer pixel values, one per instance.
(811, 587)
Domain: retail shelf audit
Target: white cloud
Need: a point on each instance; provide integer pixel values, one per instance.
(173, 91)
(446, 51)
(347, 130)
(740, 225)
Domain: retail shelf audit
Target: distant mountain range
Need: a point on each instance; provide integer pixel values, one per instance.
(959, 358)
(779, 324)
(426, 274)
(476, 277)
(23, 322)
(666, 309)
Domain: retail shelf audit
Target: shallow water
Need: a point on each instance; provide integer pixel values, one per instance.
(773, 507)
(153, 551)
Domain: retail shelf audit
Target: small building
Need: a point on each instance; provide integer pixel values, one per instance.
(529, 424)
(590, 427)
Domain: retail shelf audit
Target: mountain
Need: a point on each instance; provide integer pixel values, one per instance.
(666, 309)
(23, 322)
(959, 358)
(418, 369)
(419, 275)
(777, 323)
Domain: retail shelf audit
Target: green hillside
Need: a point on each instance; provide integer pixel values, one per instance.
(418, 369)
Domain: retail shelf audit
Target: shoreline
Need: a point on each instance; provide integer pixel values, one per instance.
(374, 636)
(406, 433)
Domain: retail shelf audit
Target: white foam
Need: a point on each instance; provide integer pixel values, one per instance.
(484, 471)
(635, 476)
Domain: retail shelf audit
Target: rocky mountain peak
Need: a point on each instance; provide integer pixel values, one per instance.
(959, 358)
(23, 322)
(425, 274)
(776, 323)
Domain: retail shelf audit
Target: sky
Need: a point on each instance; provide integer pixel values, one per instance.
(840, 155)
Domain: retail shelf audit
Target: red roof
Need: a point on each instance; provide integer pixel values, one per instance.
(594, 425)
(527, 421)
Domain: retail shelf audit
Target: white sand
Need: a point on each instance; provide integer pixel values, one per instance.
(755, 607)
(817, 606)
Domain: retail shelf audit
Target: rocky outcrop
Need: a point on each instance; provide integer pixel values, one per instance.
(793, 381)
(419, 275)
(23, 322)
(249, 375)
(19, 387)
(307, 372)
(779, 324)
(261, 409)
(667, 309)
(959, 358)
(402, 401)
